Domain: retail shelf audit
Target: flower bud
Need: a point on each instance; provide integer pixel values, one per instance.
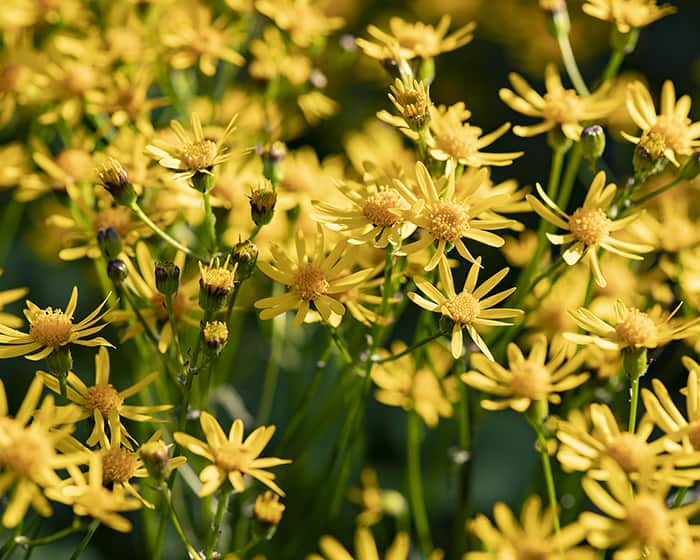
(215, 336)
(262, 204)
(412, 102)
(272, 156)
(155, 456)
(267, 512)
(60, 361)
(648, 156)
(167, 277)
(117, 271)
(691, 168)
(215, 284)
(245, 255)
(114, 178)
(593, 143)
(109, 242)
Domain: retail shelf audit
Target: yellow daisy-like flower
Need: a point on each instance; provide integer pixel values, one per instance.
(89, 497)
(526, 380)
(627, 14)
(365, 548)
(193, 153)
(10, 296)
(559, 107)
(469, 308)
(28, 457)
(103, 403)
(533, 536)
(232, 457)
(447, 216)
(631, 328)
(637, 521)
(680, 135)
(51, 328)
(411, 40)
(304, 20)
(589, 227)
(314, 278)
(423, 389)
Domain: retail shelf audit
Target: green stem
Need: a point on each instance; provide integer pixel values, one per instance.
(52, 538)
(409, 349)
(216, 527)
(567, 183)
(173, 326)
(209, 221)
(190, 371)
(567, 55)
(170, 510)
(136, 209)
(634, 401)
(86, 540)
(459, 541)
(680, 496)
(548, 476)
(652, 194)
(415, 487)
(613, 65)
(340, 344)
(232, 301)
(279, 327)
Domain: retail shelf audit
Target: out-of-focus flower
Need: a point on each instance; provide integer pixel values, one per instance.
(304, 21)
(365, 548)
(10, 296)
(627, 14)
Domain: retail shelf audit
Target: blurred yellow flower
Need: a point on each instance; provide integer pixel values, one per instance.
(365, 548)
(627, 14)
(10, 296)
(302, 19)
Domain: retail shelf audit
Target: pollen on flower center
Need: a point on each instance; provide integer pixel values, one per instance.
(232, 457)
(118, 218)
(463, 308)
(103, 397)
(674, 132)
(199, 155)
(628, 451)
(458, 143)
(447, 220)
(50, 327)
(648, 518)
(530, 380)
(118, 465)
(590, 225)
(380, 208)
(310, 282)
(637, 328)
(562, 106)
(23, 451)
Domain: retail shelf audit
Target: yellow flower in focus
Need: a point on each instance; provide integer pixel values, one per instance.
(302, 19)
(627, 14)
(533, 536)
(103, 403)
(315, 277)
(526, 380)
(89, 497)
(680, 135)
(589, 227)
(423, 389)
(365, 548)
(413, 40)
(50, 329)
(28, 457)
(559, 107)
(232, 457)
(469, 308)
(10, 296)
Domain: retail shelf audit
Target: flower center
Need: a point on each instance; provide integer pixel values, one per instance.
(103, 397)
(674, 132)
(648, 518)
(419, 38)
(462, 309)
(50, 328)
(628, 451)
(530, 380)
(562, 106)
(447, 220)
(232, 457)
(310, 282)
(118, 218)
(199, 155)
(533, 549)
(118, 465)
(694, 435)
(459, 143)
(590, 225)
(637, 329)
(380, 208)
(23, 451)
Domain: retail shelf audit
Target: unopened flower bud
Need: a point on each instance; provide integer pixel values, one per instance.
(109, 242)
(167, 277)
(60, 361)
(117, 271)
(267, 512)
(215, 336)
(245, 255)
(262, 204)
(412, 102)
(593, 142)
(691, 168)
(155, 456)
(648, 156)
(215, 284)
(114, 178)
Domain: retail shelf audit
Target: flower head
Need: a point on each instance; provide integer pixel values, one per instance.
(232, 457)
(303, 19)
(627, 14)
(365, 547)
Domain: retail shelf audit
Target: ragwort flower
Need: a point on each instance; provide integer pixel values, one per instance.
(302, 19)
(589, 227)
(627, 14)
(469, 308)
(365, 548)
(232, 457)
(51, 328)
(10, 296)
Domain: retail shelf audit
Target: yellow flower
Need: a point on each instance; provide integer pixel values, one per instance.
(631, 328)
(533, 537)
(559, 107)
(448, 217)
(526, 380)
(413, 103)
(50, 329)
(28, 457)
(89, 497)
(103, 403)
(423, 389)
(193, 153)
(589, 227)
(315, 278)
(413, 40)
(680, 135)
(232, 457)
(469, 308)
(9, 296)
(365, 548)
(627, 14)
(637, 520)
(303, 20)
